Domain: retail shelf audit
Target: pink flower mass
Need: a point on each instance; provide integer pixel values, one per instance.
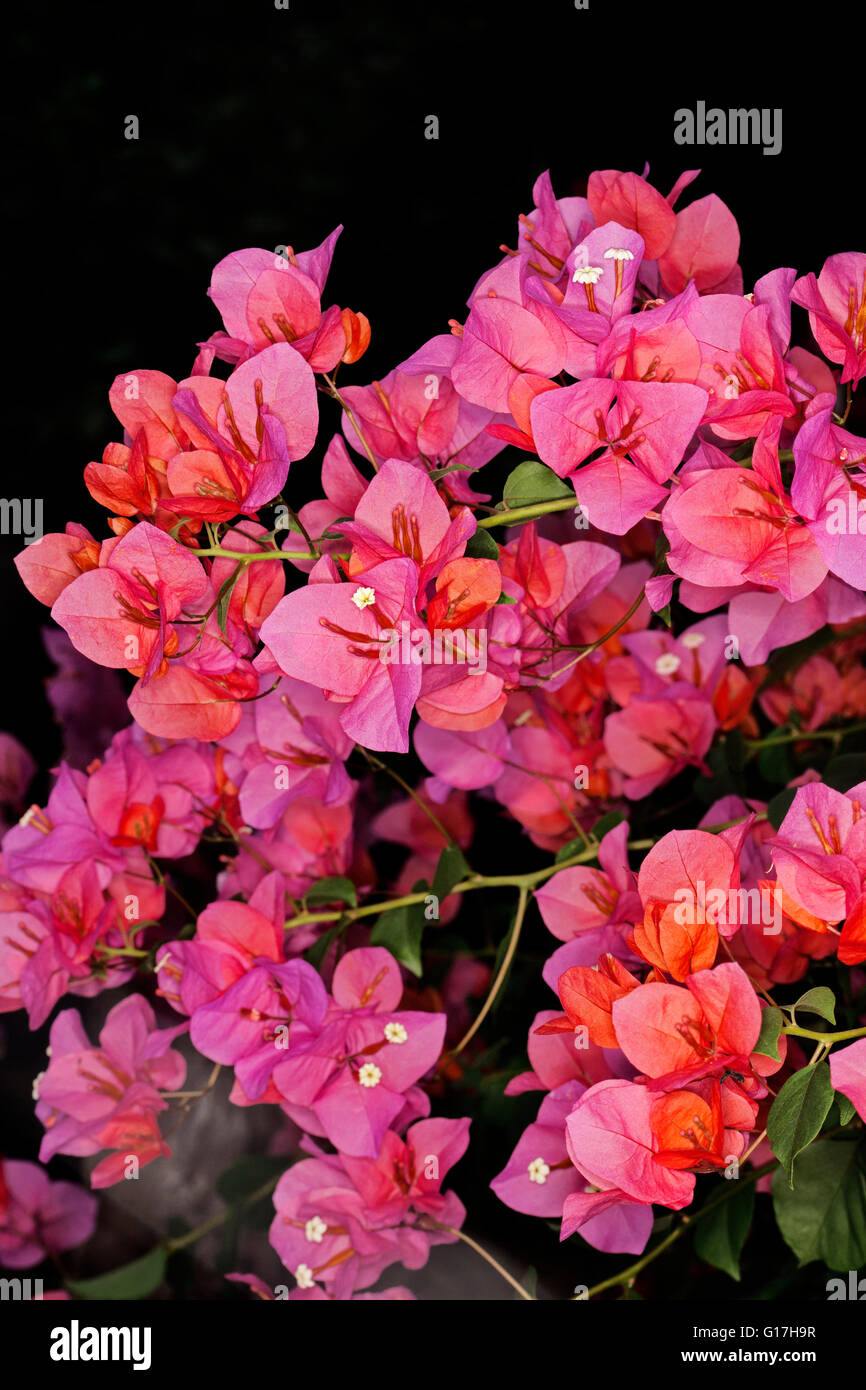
(491, 727)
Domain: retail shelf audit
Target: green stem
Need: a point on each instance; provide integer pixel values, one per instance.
(214, 1222)
(500, 978)
(527, 513)
(347, 409)
(828, 1038)
(804, 736)
(248, 557)
(627, 1276)
(469, 885)
(378, 766)
(429, 1222)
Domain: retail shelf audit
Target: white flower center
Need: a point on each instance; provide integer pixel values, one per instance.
(395, 1033)
(363, 597)
(36, 1082)
(315, 1229)
(692, 640)
(369, 1075)
(538, 1170)
(587, 274)
(617, 253)
(666, 665)
(304, 1277)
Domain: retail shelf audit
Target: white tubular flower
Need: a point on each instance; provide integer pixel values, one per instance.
(538, 1170)
(587, 274)
(315, 1230)
(666, 665)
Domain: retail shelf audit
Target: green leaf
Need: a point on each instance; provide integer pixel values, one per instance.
(820, 1001)
(845, 771)
(501, 951)
(532, 481)
(332, 890)
(774, 762)
(316, 953)
(236, 1184)
(178, 526)
(246, 1175)
(662, 547)
(721, 1235)
(226, 1258)
(530, 1283)
(135, 1280)
(573, 847)
(606, 823)
(482, 546)
(721, 782)
(224, 597)
(792, 657)
(798, 1112)
(768, 1038)
(847, 1109)
(400, 932)
(451, 869)
(779, 805)
(824, 1218)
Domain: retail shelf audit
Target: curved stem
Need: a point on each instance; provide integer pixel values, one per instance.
(332, 391)
(829, 1038)
(378, 766)
(248, 557)
(627, 1276)
(214, 1222)
(803, 736)
(500, 978)
(479, 1250)
(469, 885)
(518, 514)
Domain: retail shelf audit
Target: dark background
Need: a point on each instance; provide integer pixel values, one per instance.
(260, 127)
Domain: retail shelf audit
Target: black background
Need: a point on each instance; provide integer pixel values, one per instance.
(260, 127)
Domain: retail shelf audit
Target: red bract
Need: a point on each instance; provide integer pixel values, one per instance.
(639, 431)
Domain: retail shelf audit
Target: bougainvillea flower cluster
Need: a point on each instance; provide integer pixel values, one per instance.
(669, 592)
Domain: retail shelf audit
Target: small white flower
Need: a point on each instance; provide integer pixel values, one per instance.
(363, 597)
(587, 274)
(693, 639)
(369, 1075)
(36, 1082)
(395, 1033)
(618, 254)
(48, 1050)
(732, 388)
(666, 665)
(315, 1229)
(538, 1170)
(304, 1277)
